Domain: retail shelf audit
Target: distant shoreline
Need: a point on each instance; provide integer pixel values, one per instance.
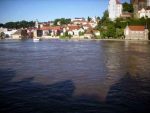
(81, 39)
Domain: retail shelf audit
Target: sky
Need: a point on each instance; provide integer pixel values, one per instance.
(46, 10)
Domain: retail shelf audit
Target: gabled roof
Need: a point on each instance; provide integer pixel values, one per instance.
(136, 28)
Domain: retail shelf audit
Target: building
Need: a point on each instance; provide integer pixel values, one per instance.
(114, 9)
(148, 2)
(144, 13)
(136, 33)
(126, 15)
(3, 29)
(74, 30)
(16, 35)
(138, 6)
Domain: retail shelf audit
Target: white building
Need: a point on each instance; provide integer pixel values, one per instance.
(3, 30)
(136, 33)
(10, 32)
(114, 9)
(144, 13)
(78, 19)
(148, 2)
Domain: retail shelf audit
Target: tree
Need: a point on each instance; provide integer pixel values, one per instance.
(19, 24)
(62, 21)
(2, 35)
(119, 33)
(105, 16)
(89, 19)
(111, 30)
(1, 25)
(128, 7)
(81, 33)
(120, 23)
(98, 18)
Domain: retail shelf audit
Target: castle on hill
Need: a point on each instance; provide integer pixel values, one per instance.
(141, 9)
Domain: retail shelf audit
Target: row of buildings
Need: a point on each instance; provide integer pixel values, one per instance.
(83, 28)
(77, 28)
(141, 9)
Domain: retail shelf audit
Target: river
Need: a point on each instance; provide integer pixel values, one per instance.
(66, 76)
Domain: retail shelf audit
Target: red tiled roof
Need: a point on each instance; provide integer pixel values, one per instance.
(45, 28)
(51, 28)
(137, 28)
(73, 27)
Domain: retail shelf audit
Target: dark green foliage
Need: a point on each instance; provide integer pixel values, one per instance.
(89, 19)
(98, 18)
(1, 25)
(81, 33)
(105, 16)
(62, 21)
(128, 7)
(19, 24)
(115, 29)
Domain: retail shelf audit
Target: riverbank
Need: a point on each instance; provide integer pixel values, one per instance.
(77, 39)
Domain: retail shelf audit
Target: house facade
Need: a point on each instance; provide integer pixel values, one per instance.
(144, 13)
(141, 8)
(114, 9)
(136, 33)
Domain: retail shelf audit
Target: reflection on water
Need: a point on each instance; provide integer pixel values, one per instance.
(74, 76)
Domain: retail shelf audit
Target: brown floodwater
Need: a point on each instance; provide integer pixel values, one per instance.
(66, 76)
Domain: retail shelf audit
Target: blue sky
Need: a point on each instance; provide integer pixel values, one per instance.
(45, 10)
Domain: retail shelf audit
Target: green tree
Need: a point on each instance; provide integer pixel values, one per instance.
(62, 21)
(1, 25)
(19, 24)
(128, 7)
(89, 19)
(111, 31)
(98, 18)
(120, 23)
(119, 33)
(81, 33)
(2, 35)
(105, 16)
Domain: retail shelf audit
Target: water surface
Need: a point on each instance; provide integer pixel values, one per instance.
(58, 76)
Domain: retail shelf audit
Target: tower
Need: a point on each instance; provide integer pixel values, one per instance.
(142, 4)
(148, 2)
(36, 24)
(114, 9)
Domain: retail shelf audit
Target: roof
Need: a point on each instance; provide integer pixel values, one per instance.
(18, 32)
(141, 0)
(51, 28)
(73, 27)
(137, 28)
(118, 2)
